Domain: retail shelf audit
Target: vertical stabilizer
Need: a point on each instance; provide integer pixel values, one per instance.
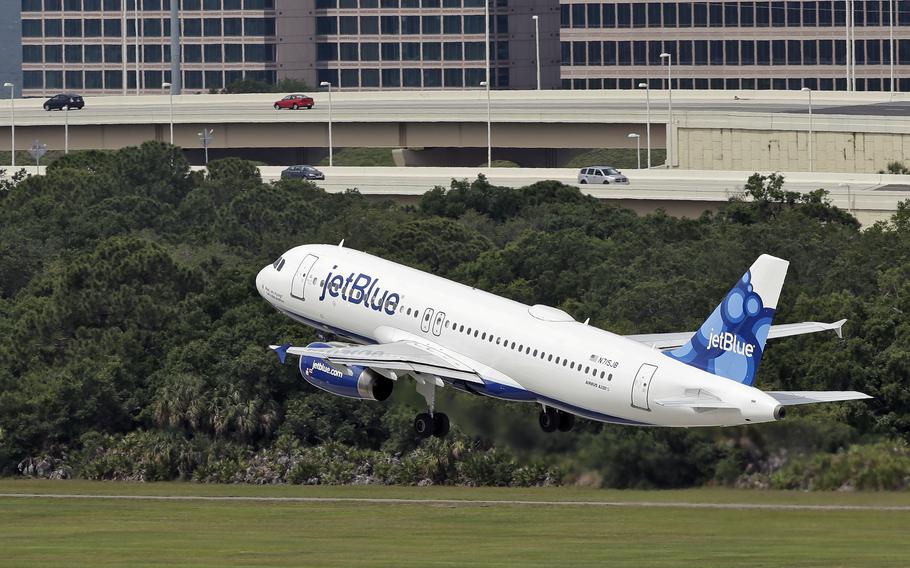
(732, 340)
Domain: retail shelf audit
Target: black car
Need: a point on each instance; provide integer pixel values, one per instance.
(68, 100)
(302, 172)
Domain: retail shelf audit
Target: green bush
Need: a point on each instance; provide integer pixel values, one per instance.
(883, 466)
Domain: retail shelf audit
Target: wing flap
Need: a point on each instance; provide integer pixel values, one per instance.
(790, 398)
(399, 356)
(679, 338)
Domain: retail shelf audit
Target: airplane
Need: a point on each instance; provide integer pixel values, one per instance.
(398, 321)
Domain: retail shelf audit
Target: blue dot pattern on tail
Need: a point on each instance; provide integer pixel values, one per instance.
(731, 341)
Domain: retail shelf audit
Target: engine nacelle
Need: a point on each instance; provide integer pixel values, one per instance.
(361, 383)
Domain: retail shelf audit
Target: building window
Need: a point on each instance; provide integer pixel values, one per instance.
(73, 80)
(113, 54)
(700, 15)
(410, 25)
(455, 78)
(432, 24)
(73, 53)
(390, 52)
(731, 52)
(369, 52)
(192, 53)
(391, 78)
(388, 24)
(349, 51)
(31, 5)
(432, 51)
(410, 77)
(369, 78)
(474, 25)
(669, 15)
(685, 14)
(93, 55)
(93, 80)
(53, 80)
(113, 79)
(347, 25)
(433, 78)
(623, 16)
(794, 52)
(410, 51)
(233, 53)
(192, 27)
(213, 80)
(112, 28)
(369, 25)
(452, 51)
(474, 51)
(213, 53)
(31, 54)
(32, 80)
(350, 78)
(53, 54)
(731, 14)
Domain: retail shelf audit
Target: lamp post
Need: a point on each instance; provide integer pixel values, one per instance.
(669, 59)
(637, 146)
(329, 85)
(849, 201)
(537, 46)
(66, 130)
(811, 158)
(206, 137)
(891, 45)
(12, 122)
(648, 110)
(489, 116)
(170, 92)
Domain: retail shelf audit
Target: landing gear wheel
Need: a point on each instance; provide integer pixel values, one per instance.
(424, 425)
(441, 425)
(549, 420)
(566, 421)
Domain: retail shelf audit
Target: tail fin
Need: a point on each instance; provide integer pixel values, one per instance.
(732, 340)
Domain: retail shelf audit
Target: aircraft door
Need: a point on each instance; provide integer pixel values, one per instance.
(298, 284)
(641, 385)
(437, 323)
(427, 320)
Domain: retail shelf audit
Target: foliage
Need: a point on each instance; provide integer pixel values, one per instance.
(131, 335)
(618, 158)
(362, 157)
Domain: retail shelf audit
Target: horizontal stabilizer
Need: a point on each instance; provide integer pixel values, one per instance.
(790, 398)
(673, 340)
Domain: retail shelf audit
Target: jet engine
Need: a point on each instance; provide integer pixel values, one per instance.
(351, 382)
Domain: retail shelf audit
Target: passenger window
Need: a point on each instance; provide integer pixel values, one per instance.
(572, 365)
(409, 311)
(535, 352)
(550, 357)
(610, 377)
(484, 336)
(557, 360)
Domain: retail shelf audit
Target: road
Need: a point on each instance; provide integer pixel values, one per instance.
(457, 502)
(871, 197)
(447, 106)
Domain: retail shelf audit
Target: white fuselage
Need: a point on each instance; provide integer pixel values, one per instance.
(565, 364)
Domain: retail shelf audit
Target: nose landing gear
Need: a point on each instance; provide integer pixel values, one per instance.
(551, 420)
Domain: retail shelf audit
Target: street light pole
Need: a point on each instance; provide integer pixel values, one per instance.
(537, 46)
(489, 117)
(486, 83)
(647, 89)
(669, 59)
(891, 45)
(811, 156)
(66, 130)
(12, 122)
(329, 85)
(637, 146)
(170, 92)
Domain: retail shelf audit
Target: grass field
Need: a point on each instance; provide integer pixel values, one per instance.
(108, 532)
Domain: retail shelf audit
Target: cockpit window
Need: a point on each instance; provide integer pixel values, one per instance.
(278, 264)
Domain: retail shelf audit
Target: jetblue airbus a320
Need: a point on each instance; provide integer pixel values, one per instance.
(400, 322)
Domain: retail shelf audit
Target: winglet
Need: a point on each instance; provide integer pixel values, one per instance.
(281, 350)
(839, 328)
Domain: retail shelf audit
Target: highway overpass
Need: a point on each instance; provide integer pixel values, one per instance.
(714, 130)
(685, 193)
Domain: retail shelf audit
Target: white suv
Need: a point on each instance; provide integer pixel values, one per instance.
(602, 174)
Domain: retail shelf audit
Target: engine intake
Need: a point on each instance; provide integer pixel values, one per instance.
(360, 383)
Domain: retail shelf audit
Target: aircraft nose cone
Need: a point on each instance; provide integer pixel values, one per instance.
(260, 281)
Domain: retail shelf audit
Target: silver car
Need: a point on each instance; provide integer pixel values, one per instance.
(602, 174)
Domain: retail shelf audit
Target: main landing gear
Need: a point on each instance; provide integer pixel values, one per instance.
(551, 420)
(429, 423)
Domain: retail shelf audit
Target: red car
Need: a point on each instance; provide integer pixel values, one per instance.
(294, 102)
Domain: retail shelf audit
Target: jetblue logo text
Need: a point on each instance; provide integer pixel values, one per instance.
(320, 366)
(360, 289)
(730, 342)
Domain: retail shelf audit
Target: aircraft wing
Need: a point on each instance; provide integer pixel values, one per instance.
(399, 357)
(678, 339)
(789, 398)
